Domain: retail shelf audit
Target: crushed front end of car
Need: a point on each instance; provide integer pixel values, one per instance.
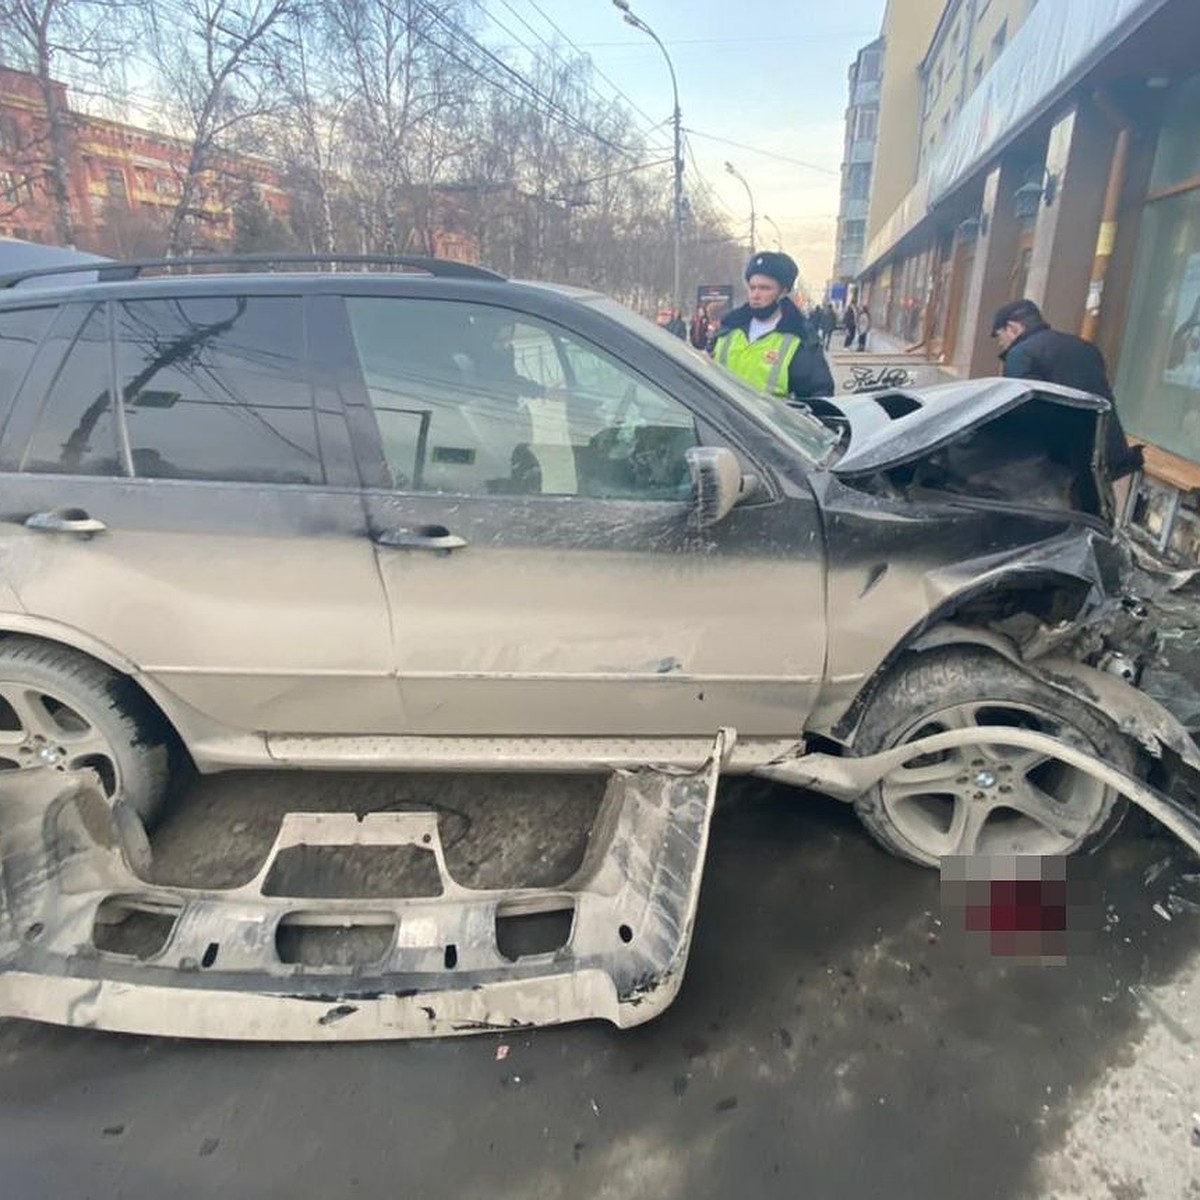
(975, 523)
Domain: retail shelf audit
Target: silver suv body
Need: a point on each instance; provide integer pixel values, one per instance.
(447, 520)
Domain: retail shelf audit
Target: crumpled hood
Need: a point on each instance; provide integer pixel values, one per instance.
(891, 428)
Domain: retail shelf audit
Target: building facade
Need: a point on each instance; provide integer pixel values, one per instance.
(858, 159)
(1057, 158)
(969, 39)
(123, 182)
(908, 26)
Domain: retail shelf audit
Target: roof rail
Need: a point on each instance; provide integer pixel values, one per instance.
(115, 271)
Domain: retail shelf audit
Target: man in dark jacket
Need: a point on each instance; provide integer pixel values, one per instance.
(829, 322)
(1030, 349)
(768, 342)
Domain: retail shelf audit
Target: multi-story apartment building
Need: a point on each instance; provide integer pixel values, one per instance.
(858, 158)
(969, 39)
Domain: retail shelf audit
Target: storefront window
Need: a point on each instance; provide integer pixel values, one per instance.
(1178, 157)
(1158, 387)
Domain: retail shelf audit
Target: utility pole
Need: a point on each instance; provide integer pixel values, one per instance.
(749, 196)
(778, 235)
(633, 19)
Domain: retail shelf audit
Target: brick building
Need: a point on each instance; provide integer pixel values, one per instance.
(123, 182)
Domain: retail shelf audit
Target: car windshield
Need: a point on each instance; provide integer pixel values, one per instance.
(795, 426)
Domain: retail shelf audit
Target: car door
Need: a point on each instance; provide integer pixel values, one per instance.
(207, 527)
(533, 536)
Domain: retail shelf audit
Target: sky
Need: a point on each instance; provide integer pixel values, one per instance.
(774, 82)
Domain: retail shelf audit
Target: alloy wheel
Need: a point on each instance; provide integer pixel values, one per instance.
(993, 799)
(38, 728)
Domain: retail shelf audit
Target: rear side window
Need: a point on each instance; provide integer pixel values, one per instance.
(217, 388)
(76, 433)
(20, 333)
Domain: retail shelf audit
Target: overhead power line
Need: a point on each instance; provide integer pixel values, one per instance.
(543, 41)
(828, 35)
(795, 162)
(489, 55)
(579, 50)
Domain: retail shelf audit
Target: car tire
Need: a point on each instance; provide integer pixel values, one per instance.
(984, 800)
(61, 709)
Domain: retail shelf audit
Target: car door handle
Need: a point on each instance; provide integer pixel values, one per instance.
(65, 520)
(423, 537)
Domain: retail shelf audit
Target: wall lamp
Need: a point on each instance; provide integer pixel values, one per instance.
(974, 227)
(1040, 186)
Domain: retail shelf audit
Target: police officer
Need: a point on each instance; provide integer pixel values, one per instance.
(768, 342)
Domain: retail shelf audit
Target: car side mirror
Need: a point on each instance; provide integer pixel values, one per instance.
(716, 483)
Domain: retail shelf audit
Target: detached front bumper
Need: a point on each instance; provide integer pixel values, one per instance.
(222, 969)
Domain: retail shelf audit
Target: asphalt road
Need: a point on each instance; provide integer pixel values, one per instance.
(828, 1042)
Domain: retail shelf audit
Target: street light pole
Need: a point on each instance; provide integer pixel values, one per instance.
(778, 235)
(633, 19)
(749, 196)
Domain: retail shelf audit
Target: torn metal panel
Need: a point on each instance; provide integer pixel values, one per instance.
(219, 971)
(1131, 712)
(846, 778)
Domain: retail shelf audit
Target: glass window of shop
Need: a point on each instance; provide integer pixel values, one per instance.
(1158, 384)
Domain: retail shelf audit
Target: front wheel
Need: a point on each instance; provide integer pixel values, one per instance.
(981, 799)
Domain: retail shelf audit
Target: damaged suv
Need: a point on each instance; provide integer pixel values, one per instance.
(438, 519)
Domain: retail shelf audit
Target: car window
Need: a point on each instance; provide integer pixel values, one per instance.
(537, 356)
(21, 331)
(76, 432)
(796, 426)
(217, 388)
(474, 399)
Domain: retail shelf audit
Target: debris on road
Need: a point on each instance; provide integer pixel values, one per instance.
(269, 962)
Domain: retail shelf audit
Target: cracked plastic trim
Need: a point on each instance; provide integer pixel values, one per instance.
(63, 853)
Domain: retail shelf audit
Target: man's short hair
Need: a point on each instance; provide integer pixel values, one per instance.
(1024, 312)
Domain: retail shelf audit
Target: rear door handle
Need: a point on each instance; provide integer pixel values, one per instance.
(423, 537)
(65, 520)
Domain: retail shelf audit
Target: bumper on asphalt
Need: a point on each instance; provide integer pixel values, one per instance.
(238, 964)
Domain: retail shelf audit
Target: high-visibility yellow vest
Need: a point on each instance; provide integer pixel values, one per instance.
(762, 364)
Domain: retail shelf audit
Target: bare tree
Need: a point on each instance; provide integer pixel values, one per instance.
(53, 38)
(401, 97)
(218, 65)
(306, 132)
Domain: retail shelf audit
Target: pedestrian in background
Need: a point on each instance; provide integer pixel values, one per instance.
(769, 342)
(849, 324)
(676, 324)
(828, 323)
(863, 326)
(1030, 349)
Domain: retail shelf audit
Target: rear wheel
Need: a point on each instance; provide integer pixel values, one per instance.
(982, 799)
(63, 710)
